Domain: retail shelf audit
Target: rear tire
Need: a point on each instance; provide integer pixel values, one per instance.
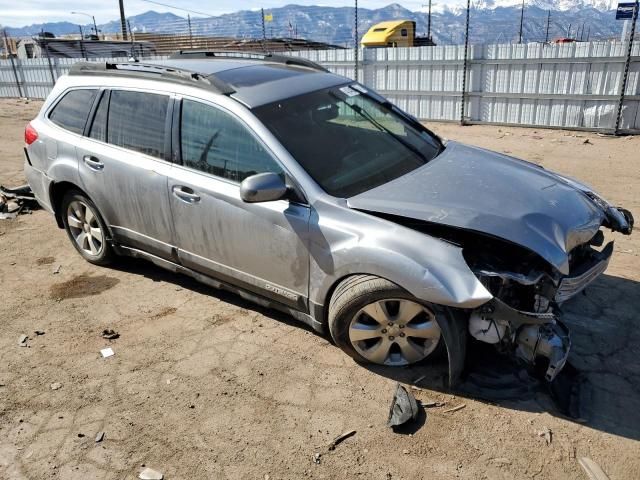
(86, 229)
(375, 321)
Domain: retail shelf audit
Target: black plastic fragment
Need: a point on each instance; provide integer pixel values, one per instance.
(403, 407)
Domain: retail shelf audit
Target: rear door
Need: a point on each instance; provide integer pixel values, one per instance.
(261, 246)
(124, 165)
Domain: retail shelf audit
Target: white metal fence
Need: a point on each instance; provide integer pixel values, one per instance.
(574, 85)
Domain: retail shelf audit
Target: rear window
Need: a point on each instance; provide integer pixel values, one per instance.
(72, 111)
(137, 121)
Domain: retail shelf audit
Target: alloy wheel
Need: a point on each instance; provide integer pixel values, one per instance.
(85, 228)
(394, 332)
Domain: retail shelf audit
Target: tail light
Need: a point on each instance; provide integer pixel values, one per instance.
(30, 134)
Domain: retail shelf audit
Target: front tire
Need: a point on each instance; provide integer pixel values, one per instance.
(86, 229)
(375, 321)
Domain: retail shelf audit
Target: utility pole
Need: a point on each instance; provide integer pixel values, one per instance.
(83, 52)
(123, 21)
(589, 33)
(357, 46)
(264, 31)
(428, 20)
(627, 65)
(546, 38)
(521, 21)
(190, 33)
(464, 69)
(569, 31)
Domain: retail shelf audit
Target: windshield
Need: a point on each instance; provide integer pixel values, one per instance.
(348, 140)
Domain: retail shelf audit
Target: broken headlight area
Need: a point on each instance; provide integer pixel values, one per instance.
(523, 318)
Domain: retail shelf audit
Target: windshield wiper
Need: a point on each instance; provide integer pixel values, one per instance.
(367, 116)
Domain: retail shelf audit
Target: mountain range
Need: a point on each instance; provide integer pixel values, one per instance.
(492, 21)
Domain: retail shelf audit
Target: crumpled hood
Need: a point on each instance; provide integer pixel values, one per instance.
(475, 189)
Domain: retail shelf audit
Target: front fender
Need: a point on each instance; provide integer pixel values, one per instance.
(353, 242)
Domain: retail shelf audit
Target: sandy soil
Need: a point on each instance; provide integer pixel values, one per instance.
(205, 385)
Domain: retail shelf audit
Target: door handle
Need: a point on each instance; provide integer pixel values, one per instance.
(93, 163)
(185, 194)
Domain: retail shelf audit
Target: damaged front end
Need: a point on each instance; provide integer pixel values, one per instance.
(523, 318)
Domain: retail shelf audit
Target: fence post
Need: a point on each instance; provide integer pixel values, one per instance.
(357, 47)
(627, 65)
(13, 63)
(464, 68)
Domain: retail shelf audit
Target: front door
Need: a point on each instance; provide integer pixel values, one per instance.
(260, 246)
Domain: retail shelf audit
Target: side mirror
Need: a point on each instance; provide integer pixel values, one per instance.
(262, 187)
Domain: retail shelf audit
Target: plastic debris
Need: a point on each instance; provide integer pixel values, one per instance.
(99, 437)
(56, 386)
(455, 409)
(592, 469)
(336, 441)
(110, 334)
(22, 340)
(107, 352)
(14, 201)
(547, 434)
(57, 270)
(403, 407)
(150, 474)
(39, 332)
(316, 458)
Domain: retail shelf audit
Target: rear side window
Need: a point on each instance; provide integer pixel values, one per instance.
(99, 126)
(137, 121)
(72, 111)
(215, 142)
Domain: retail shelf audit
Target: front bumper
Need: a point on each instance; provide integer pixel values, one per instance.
(586, 273)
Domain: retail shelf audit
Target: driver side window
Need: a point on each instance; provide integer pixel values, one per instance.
(215, 142)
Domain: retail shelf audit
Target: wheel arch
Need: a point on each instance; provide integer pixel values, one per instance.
(58, 190)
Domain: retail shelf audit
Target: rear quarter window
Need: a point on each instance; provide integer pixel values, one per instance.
(72, 110)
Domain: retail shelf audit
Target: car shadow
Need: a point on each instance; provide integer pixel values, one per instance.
(599, 387)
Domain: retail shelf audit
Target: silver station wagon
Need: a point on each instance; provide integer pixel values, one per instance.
(304, 191)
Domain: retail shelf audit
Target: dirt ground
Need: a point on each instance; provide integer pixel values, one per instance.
(205, 385)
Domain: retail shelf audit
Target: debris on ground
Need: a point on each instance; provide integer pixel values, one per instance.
(587, 142)
(343, 436)
(57, 270)
(433, 404)
(22, 340)
(316, 458)
(14, 201)
(403, 407)
(501, 461)
(455, 409)
(547, 434)
(99, 437)
(107, 352)
(110, 334)
(56, 386)
(150, 474)
(592, 469)
(39, 332)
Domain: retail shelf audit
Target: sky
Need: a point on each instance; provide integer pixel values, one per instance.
(26, 12)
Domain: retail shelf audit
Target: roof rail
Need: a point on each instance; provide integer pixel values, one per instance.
(142, 70)
(267, 57)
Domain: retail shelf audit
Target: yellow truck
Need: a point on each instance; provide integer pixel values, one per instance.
(394, 33)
